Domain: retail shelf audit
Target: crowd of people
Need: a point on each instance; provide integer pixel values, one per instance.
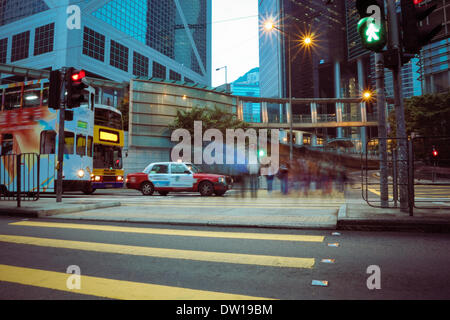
(302, 177)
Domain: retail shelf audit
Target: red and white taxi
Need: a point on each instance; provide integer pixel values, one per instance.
(166, 177)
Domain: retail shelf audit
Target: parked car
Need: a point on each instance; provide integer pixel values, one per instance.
(165, 177)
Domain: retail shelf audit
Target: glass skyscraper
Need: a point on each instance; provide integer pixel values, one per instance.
(116, 39)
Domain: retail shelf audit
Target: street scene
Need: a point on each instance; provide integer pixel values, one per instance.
(224, 155)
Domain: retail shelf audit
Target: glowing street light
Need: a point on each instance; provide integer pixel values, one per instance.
(367, 95)
(268, 25)
(306, 41)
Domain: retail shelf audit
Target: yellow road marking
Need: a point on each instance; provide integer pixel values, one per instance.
(221, 257)
(109, 288)
(377, 192)
(174, 232)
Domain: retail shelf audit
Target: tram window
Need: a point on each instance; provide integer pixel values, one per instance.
(7, 144)
(45, 96)
(81, 145)
(89, 146)
(12, 100)
(68, 142)
(48, 142)
(32, 98)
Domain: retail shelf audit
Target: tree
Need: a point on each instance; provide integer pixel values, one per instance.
(426, 115)
(215, 118)
(124, 107)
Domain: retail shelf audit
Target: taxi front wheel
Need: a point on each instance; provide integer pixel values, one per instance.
(206, 188)
(147, 188)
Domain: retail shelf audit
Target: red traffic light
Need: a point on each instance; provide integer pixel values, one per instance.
(435, 153)
(78, 76)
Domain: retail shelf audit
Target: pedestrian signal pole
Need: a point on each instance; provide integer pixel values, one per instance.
(372, 30)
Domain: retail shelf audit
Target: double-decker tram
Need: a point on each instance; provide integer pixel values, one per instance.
(29, 127)
(108, 146)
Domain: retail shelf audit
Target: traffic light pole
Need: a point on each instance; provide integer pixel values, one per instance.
(394, 43)
(59, 179)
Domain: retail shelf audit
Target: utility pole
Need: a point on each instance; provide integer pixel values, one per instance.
(59, 179)
(382, 133)
(289, 113)
(394, 44)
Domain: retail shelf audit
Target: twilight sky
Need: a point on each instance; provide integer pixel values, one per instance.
(234, 38)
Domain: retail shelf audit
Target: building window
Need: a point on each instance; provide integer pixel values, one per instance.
(3, 50)
(174, 75)
(159, 71)
(48, 142)
(119, 56)
(140, 65)
(7, 144)
(20, 45)
(93, 44)
(43, 39)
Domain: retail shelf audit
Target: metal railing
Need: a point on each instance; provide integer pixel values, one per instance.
(19, 177)
(426, 181)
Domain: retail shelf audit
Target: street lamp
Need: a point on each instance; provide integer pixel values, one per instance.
(367, 95)
(226, 75)
(306, 41)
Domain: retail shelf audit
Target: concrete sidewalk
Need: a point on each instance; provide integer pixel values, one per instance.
(46, 207)
(274, 211)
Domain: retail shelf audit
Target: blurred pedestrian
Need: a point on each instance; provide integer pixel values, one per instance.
(253, 174)
(269, 178)
(283, 175)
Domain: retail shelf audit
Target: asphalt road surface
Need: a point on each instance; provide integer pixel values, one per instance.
(41, 259)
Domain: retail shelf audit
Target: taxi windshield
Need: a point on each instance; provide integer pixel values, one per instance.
(193, 168)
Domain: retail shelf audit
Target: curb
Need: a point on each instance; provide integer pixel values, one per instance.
(362, 224)
(39, 213)
(208, 223)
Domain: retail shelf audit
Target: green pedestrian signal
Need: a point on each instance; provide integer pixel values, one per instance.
(373, 34)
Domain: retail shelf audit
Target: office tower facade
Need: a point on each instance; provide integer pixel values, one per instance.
(111, 39)
(248, 85)
(434, 64)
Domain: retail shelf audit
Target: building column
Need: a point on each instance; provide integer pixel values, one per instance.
(264, 114)
(313, 139)
(299, 138)
(337, 92)
(313, 107)
(363, 130)
(283, 136)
